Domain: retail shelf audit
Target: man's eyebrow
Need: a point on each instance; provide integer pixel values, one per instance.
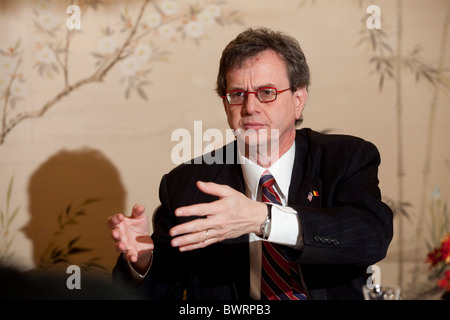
(235, 88)
(266, 85)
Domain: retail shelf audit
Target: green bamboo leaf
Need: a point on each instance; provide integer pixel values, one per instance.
(2, 219)
(71, 222)
(8, 193)
(60, 222)
(386, 46)
(75, 250)
(80, 213)
(17, 45)
(380, 84)
(90, 265)
(373, 41)
(141, 93)
(390, 73)
(11, 218)
(56, 252)
(429, 77)
(72, 242)
(68, 208)
(9, 243)
(90, 200)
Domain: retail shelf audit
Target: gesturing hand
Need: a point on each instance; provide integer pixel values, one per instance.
(132, 237)
(229, 217)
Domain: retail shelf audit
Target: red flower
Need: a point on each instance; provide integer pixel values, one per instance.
(440, 255)
(445, 248)
(434, 257)
(444, 283)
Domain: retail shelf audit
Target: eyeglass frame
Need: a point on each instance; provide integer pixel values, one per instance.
(246, 93)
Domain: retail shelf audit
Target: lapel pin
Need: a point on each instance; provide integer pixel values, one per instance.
(312, 194)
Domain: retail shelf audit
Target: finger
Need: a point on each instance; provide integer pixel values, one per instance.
(214, 189)
(189, 227)
(190, 238)
(198, 245)
(201, 209)
(121, 247)
(129, 253)
(114, 220)
(193, 238)
(116, 234)
(137, 211)
(204, 209)
(131, 256)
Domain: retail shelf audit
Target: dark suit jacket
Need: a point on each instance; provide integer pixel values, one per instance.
(345, 229)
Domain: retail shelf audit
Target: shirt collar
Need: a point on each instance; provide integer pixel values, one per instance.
(281, 170)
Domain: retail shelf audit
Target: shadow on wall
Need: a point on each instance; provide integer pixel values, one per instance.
(70, 197)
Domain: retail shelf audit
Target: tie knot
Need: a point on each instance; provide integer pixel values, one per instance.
(266, 180)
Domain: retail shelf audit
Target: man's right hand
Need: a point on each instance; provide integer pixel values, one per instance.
(132, 237)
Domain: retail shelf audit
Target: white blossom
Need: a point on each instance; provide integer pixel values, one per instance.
(43, 5)
(18, 89)
(205, 18)
(213, 10)
(130, 66)
(152, 20)
(167, 31)
(107, 45)
(143, 52)
(47, 21)
(7, 65)
(45, 55)
(194, 29)
(169, 7)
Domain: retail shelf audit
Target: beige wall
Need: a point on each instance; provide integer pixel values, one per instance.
(96, 143)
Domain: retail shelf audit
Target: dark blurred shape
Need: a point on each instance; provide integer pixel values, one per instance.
(70, 197)
(16, 285)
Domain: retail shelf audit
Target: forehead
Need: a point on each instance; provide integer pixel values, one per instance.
(267, 67)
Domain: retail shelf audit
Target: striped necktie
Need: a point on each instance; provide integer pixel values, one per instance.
(280, 279)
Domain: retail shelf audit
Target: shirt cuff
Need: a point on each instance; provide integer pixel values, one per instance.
(285, 227)
(136, 275)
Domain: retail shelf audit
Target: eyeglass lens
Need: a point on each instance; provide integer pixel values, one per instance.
(263, 94)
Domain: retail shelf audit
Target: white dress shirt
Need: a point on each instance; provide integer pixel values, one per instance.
(285, 225)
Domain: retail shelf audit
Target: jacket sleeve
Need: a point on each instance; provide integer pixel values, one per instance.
(164, 280)
(351, 224)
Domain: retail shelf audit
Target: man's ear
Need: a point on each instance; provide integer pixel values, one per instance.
(224, 101)
(300, 96)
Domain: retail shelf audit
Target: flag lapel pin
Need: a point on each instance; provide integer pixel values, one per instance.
(312, 194)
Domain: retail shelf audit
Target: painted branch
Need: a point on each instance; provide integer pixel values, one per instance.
(98, 76)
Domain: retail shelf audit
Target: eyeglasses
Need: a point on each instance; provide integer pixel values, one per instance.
(264, 95)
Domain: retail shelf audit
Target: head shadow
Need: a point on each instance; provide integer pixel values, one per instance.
(70, 197)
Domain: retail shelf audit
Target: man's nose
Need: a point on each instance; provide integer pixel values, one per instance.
(251, 104)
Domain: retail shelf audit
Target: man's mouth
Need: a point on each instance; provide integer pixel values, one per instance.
(253, 126)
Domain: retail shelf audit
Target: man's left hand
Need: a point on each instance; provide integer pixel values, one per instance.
(229, 217)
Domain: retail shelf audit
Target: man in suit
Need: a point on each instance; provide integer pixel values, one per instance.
(322, 217)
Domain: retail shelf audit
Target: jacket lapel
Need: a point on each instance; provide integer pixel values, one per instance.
(305, 188)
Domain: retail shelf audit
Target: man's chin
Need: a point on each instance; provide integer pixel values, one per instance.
(262, 142)
(252, 136)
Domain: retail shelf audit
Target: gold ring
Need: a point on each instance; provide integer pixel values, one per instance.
(207, 235)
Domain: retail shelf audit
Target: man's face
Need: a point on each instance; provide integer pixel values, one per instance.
(266, 69)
